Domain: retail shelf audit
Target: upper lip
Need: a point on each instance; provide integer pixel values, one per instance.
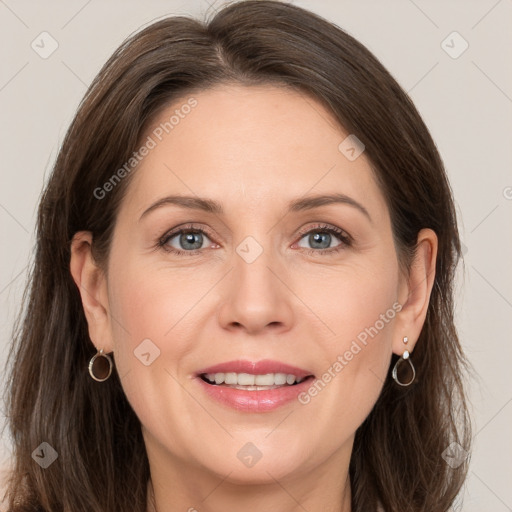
(256, 368)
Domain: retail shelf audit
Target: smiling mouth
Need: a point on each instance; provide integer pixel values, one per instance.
(250, 382)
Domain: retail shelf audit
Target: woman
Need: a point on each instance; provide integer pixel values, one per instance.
(301, 352)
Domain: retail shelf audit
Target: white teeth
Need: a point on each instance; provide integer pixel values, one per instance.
(247, 379)
(290, 379)
(230, 378)
(280, 378)
(267, 380)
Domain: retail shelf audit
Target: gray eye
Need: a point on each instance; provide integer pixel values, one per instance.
(188, 240)
(319, 240)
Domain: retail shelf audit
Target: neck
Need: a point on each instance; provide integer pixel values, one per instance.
(194, 489)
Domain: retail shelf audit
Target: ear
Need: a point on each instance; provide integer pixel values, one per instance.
(92, 285)
(414, 292)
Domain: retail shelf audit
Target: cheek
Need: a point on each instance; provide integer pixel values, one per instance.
(154, 321)
(360, 307)
(143, 311)
(365, 329)
(352, 298)
(148, 315)
(148, 302)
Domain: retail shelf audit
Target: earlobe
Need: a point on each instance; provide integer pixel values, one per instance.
(415, 291)
(92, 285)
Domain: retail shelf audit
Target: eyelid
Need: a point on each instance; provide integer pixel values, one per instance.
(177, 230)
(327, 227)
(346, 240)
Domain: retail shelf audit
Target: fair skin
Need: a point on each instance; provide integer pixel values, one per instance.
(253, 150)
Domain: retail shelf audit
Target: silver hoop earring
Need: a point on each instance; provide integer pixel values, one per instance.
(100, 366)
(405, 357)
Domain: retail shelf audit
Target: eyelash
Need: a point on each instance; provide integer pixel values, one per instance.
(345, 238)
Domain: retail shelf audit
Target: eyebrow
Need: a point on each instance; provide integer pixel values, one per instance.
(296, 205)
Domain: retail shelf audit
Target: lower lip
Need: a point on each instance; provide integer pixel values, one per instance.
(254, 401)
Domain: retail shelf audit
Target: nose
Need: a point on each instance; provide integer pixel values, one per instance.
(255, 297)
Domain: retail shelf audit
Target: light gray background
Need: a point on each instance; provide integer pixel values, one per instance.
(466, 102)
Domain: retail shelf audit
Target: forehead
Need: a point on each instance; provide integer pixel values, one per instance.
(248, 145)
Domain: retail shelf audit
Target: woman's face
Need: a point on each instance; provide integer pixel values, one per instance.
(315, 286)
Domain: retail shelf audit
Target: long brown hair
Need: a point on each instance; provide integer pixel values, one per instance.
(102, 464)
